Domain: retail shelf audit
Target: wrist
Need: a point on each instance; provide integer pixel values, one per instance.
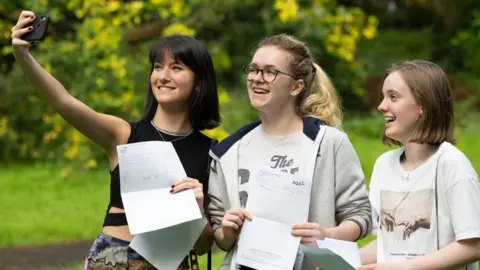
(21, 55)
(329, 233)
(20, 50)
(227, 242)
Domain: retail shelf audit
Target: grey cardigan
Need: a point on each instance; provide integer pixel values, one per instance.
(338, 189)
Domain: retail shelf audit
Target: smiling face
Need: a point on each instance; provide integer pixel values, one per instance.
(172, 82)
(400, 109)
(276, 88)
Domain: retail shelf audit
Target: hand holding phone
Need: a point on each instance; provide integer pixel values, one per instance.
(29, 28)
(39, 30)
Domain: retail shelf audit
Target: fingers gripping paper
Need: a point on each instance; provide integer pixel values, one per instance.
(163, 234)
(147, 171)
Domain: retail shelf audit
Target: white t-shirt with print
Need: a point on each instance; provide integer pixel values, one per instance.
(258, 149)
(403, 204)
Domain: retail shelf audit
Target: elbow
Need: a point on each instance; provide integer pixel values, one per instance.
(205, 242)
(202, 250)
(475, 243)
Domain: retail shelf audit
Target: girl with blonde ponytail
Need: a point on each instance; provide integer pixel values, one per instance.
(300, 126)
(322, 101)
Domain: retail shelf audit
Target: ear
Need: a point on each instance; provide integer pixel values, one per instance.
(197, 87)
(298, 88)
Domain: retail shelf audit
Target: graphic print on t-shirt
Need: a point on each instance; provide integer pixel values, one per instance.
(405, 220)
(277, 162)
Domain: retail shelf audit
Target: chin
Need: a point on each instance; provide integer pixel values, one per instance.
(169, 98)
(258, 105)
(393, 136)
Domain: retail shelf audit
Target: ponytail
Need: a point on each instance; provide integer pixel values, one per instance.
(321, 100)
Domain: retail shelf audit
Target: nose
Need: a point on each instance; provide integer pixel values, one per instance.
(163, 75)
(383, 106)
(258, 77)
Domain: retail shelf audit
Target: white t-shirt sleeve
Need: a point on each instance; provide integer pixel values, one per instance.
(464, 205)
(463, 197)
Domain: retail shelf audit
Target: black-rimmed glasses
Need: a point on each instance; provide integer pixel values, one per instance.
(269, 74)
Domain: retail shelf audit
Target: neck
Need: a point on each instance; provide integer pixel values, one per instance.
(281, 122)
(174, 120)
(416, 154)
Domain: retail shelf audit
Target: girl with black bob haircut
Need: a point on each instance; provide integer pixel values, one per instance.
(182, 100)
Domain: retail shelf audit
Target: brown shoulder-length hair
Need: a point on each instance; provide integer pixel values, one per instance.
(431, 89)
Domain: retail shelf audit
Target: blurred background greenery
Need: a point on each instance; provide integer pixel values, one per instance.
(54, 182)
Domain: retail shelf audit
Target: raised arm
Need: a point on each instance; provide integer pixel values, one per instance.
(105, 130)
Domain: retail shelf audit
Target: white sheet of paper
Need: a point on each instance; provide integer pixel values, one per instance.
(276, 201)
(147, 171)
(165, 249)
(333, 254)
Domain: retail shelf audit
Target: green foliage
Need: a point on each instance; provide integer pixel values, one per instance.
(98, 51)
(467, 42)
(393, 45)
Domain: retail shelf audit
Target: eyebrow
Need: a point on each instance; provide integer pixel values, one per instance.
(266, 66)
(390, 91)
(173, 63)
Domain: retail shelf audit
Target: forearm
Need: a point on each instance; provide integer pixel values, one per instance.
(347, 231)
(368, 253)
(222, 243)
(49, 88)
(453, 256)
(205, 241)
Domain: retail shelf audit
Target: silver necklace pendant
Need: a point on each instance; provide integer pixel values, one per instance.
(176, 139)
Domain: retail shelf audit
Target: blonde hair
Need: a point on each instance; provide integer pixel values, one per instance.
(319, 98)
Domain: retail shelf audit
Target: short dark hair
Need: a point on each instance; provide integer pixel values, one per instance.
(431, 89)
(204, 105)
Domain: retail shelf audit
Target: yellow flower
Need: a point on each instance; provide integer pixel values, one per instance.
(223, 97)
(91, 163)
(178, 28)
(287, 9)
(113, 6)
(157, 2)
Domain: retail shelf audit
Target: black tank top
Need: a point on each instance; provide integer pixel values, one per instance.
(193, 153)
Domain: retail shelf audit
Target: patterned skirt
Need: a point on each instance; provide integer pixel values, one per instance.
(110, 253)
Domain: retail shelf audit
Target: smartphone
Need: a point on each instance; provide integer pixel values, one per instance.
(39, 28)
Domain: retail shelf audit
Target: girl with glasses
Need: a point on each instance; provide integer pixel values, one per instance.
(298, 109)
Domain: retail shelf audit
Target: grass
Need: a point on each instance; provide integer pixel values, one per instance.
(41, 207)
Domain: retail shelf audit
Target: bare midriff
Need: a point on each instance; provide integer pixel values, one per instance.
(120, 232)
